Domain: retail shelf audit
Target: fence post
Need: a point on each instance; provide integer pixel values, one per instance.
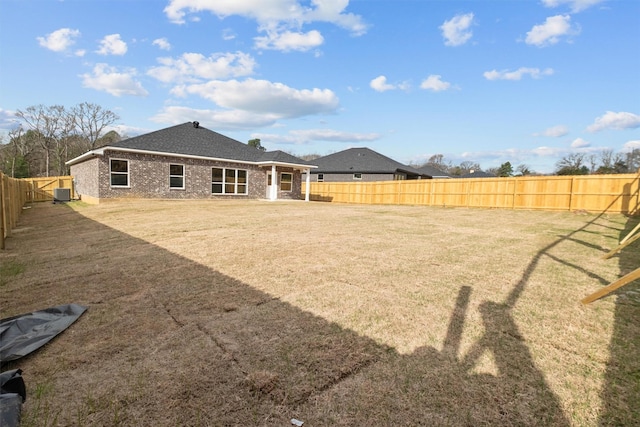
(2, 208)
(571, 198)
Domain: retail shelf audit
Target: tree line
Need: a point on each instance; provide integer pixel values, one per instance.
(604, 162)
(49, 136)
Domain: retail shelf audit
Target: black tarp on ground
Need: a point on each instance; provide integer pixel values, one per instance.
(12, 394)
(23, 334)
(19, 336)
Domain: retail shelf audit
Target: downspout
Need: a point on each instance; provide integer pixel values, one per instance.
(274, 184)
(308, 182)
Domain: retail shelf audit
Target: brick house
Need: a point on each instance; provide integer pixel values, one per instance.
(361, 164)
(186, 161)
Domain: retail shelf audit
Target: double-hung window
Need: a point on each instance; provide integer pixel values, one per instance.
(119, 172)
(176, 177)
(286, 181)
(229, 181)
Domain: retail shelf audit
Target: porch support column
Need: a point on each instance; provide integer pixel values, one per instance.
(274, 184)
(306, 193)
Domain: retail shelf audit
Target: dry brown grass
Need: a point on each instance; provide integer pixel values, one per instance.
(253, 313)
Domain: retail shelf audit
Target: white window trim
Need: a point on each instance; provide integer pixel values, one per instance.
(281, 181)
(235, 184)
(320, 177)
(183, 176)
(128, 173)
(357, 178)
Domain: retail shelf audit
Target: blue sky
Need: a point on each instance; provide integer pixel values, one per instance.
(485, 81)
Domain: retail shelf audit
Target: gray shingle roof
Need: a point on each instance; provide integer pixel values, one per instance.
(360, 160)
(478, 174)
(191, 140)
(431, 171)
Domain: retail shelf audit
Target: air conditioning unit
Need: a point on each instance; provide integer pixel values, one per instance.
(61, 195)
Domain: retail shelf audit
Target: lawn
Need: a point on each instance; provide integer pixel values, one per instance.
(253, 313)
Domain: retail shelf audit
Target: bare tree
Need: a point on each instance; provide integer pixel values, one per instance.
(468, 166)
(64, 137)
(607, 158)
(523, 170)
(16, 152)
(437, 161)
(633, 160)
(46, 123)
(572, 165)
(62, 132)
(593, 162)
(91, 121)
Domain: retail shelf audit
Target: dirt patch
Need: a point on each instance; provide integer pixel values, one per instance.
(253, 313)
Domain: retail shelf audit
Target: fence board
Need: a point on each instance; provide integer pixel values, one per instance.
(596, 193)
(15, 193)
(43, 187)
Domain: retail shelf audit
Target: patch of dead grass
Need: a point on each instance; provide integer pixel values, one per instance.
(246, 312)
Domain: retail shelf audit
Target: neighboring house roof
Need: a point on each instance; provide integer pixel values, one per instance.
(192, 140)
(433, 172)
(360, 160)
(478, 174)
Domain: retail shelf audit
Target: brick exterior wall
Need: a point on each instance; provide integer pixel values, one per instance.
(149, 178)
(85, 178)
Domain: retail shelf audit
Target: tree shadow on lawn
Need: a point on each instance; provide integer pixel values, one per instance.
(167, 341)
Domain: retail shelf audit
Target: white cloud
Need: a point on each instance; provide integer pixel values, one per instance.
(580, 143)
(612, 120)
(380, 84)
(287, 41)
(8, 120)
(535, 73)
(162, 43)
(575, 5)
(551, 31)
(333, 11)
(280, 19)
(456, 30)
(194, 67)
(306, 136)
(228, 34)
(110, 80)
(263, 97)
(434, 82)
(112, 45)
(554, 132)
(60, 40)
(126, 131)
(548, 151)
(214, 119)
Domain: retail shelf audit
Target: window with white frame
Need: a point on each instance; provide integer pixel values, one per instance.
(119, 172)
(286, 181)
(229, 181)
(357, 176)
(320, 177)
(176, 176)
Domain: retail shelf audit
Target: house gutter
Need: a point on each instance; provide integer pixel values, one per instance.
(100, 152)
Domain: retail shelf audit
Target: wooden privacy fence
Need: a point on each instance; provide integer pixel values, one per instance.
(15, 193)
(41, 189)
(595, 193)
